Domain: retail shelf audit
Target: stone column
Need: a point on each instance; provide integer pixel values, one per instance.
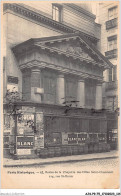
(60, 89)
(81, 93)
(98, 104)
(35, 84)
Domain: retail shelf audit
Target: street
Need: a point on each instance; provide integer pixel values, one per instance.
(105, 164)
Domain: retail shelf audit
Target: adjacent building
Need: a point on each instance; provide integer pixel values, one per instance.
(108, 16)
(53, 76)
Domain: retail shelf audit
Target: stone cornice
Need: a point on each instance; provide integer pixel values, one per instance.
(45, 44)
(40, 18)
(22, 48)
(68, 54)
(60, 69)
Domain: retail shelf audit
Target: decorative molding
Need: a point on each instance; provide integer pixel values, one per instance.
(60, 75)
(45, 44)
(78, 51)
(81, 80)
(82, 58)
(38, 17)
(99, 83)
(71, 52)
(61, 70)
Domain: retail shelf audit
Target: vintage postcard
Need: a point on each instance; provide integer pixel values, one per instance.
(60, 98)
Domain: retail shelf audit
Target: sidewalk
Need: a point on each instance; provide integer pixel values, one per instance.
(55, 160)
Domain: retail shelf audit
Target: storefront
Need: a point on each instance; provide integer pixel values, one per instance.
(46, 131)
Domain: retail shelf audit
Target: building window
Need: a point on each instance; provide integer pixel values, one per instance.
(112, 45)
(112, 13)
(56, 13)
(112, 74)
(112, 42)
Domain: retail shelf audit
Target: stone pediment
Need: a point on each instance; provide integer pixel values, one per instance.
(70, 47)
(73, 45)
(76, 50)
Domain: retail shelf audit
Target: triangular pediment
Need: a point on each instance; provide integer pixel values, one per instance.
(71, 45)
(77, 46)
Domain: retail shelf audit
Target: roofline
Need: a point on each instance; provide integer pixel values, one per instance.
(34, 14)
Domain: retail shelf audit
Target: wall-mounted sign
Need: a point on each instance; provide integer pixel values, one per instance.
(25, 142)
(73, 138)
(39, 141)
(12, 79)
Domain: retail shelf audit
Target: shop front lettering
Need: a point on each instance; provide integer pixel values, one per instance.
(25, 143)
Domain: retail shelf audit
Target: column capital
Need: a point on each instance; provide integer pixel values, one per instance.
(35, 69)
(81, 79)
(99, 83)
(60, 75)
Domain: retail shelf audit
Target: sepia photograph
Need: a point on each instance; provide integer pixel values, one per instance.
(60, 95)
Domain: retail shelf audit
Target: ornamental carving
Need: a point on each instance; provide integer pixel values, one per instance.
(78, 51)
